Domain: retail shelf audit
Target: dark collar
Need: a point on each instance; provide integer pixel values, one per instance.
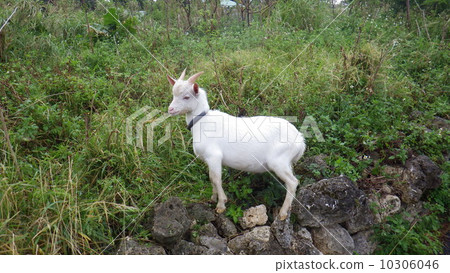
(196, 119)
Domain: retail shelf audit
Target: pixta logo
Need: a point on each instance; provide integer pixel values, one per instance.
(145, 121)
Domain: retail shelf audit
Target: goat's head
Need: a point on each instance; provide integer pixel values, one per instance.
(185, 94)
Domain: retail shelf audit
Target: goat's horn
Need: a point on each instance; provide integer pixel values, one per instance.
(182, 75)
(194, 77)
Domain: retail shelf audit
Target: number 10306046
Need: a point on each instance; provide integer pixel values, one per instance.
(409, 264)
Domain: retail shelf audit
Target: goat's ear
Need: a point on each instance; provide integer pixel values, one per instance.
(171, 80)
(195, 89)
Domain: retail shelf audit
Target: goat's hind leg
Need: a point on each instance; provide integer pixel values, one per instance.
(285, 173)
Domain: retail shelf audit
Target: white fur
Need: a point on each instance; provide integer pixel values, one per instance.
(253, 144)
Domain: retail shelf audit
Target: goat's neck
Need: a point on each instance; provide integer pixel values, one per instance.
(202, 106)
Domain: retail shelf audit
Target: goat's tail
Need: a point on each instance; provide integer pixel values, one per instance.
(300, 153)
(300, 147)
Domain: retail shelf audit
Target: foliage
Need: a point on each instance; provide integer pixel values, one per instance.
(373, 86)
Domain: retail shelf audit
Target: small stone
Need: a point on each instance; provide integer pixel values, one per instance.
(390, 204)
(259, 240)
(254, 216)
(225, 226)
(215, 245)
(385, 206)
(304, 234)
(208, 230)
(386, 189)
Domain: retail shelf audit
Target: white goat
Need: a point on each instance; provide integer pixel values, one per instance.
(253, 144)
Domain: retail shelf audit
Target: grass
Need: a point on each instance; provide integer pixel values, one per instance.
(79, 185)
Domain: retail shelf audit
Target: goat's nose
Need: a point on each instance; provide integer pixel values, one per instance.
(170, 109)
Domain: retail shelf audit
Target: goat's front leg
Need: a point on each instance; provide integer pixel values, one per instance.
(215, 175)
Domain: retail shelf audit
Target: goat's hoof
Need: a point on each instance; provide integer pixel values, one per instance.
(220, 210)
(283, 217)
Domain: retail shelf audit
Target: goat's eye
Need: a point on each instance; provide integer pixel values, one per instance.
(186, 98)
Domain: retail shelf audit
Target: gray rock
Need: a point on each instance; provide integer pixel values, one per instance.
(129, 246)
(440, 123)
(259, 240)
(208, 230)
(304, 234)
(170, 222)
(283, 232)
(188, 248)
(416, 114)
(424, 173)
(390, 204)
(364, 217)
(363, 243)
(414, 211)
(302, 243)
(314, 166)
(329, 201)
(419, 174)
(301, 247)
(254, 216)
(225, 226)
(333, 240)
(215, 245)
(386, 189)
(298, 243)
(385, 206)
(201, 213)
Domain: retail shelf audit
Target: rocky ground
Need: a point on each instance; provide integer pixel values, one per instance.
(332, 216)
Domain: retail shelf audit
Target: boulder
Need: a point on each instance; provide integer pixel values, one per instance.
(364, 217)
(363, 243)
(254, 216)
(333, 239)
(170, 222)
(225, 226)
(419, 174)
(328, 202)
(129, 246)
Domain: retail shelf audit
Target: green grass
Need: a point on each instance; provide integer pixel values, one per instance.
(79, 185)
